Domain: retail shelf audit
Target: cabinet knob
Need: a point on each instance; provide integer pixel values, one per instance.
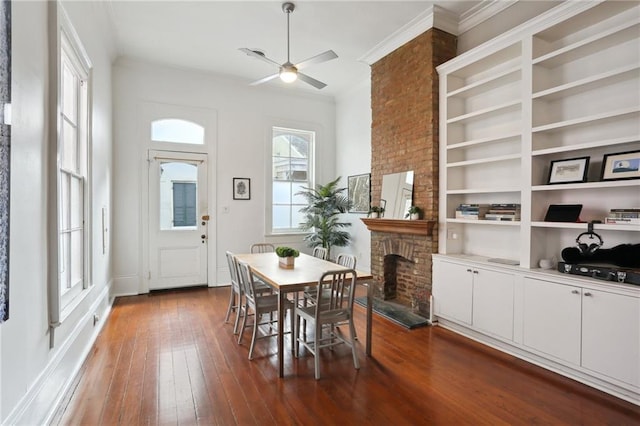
(475, 272)
(468, 270)
(575, 292)
(588, 294)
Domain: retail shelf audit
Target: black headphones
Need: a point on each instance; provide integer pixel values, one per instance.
(587, 249)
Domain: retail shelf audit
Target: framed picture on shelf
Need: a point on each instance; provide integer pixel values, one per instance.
(573, 170)
(621, 165)
(241, 188)
(359, 193)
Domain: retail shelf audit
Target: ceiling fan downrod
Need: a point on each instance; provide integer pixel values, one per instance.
(288, 71)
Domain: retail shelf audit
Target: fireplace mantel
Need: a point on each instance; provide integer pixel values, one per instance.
(400, 226)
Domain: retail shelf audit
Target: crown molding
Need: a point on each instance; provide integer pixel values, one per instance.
(433, 17)
(481, 12)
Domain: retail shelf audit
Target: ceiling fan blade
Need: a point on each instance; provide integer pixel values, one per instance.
(264, 80)
(323, 57)
(258, 55)
(312, 81)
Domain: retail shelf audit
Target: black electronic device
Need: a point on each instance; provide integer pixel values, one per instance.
(601, 272)
(563, 213)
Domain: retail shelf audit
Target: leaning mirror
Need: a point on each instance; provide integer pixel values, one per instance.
(397, 194)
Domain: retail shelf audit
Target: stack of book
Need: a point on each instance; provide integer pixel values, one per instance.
(505, 212)
(624, 216)
(471, 211)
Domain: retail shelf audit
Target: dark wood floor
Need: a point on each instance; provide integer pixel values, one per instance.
(168, 358)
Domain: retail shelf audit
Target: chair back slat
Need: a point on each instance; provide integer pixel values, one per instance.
(262, 248)
(246, 281)
(346, 260)
(320, 252)
(233, 272)
(335, 293)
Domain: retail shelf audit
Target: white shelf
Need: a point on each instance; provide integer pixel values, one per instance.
(510, 75)
(485, 222)
(587, 185)
(583, 226)
(492, 139)
(590, 145)
(588, 46)
(481, 191)
(586, 120)
(485, 160)
(587, 83)
(511, 105)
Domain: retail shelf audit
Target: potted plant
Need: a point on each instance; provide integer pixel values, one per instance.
(376, 211)
(286, 256)
(413, 213)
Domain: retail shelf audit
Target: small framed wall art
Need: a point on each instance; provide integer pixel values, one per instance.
(572, 170)
(621, 165)
(241, 188)
(359, 193)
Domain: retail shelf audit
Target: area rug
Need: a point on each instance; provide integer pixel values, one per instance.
(395, 312)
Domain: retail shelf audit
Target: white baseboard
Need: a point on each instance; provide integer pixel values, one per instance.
(41, 401)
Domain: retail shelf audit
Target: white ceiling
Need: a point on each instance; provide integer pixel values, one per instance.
(206, 35)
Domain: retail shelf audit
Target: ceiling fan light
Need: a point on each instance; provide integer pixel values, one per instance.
(288, 75)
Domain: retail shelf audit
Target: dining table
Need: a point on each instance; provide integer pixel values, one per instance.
(306, 273)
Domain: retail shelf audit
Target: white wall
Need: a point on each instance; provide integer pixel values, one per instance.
(353, 139)
(33, 375)
(244, 117)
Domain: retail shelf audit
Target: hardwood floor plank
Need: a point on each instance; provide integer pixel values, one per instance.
(168, 358)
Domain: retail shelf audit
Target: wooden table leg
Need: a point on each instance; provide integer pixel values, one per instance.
(281, 299)
(369, 316)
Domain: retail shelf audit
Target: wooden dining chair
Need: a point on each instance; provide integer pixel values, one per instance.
(334, 295)
(256, 305)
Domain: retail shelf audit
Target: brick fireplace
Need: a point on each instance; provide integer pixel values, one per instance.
(404, 136)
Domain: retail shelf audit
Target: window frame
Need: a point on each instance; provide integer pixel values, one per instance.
(297, 128)
(69, 51)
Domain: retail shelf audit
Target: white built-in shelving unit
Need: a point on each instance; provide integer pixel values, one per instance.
(563, 85)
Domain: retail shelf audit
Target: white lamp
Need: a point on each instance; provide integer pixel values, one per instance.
(288, 73)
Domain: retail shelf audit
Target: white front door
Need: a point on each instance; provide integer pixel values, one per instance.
(178, 219)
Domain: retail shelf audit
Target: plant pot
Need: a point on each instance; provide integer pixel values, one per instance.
(414, 216)
(373, 215)
(286, 262)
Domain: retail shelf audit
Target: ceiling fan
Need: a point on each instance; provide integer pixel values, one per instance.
(288, 72)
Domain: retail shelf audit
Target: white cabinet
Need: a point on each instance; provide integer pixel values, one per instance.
(611, 335)
(493, 302)
(478, 297)
(454, 292)
(597, 330)
(552, 319)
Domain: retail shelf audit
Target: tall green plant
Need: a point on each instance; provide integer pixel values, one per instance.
(322, 216)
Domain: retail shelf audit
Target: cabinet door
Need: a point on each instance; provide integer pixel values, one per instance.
(552, 319)
(493, 302)
(452, 291)
(611, 335)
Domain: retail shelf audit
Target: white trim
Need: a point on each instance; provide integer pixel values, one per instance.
(38, 406)
(545, 20)
(433, 17)
(481, 12)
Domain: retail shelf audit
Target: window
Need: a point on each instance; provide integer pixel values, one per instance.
(177, 131)
(184, 204)
(73, 172)
(291, 171)
(178, 195)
